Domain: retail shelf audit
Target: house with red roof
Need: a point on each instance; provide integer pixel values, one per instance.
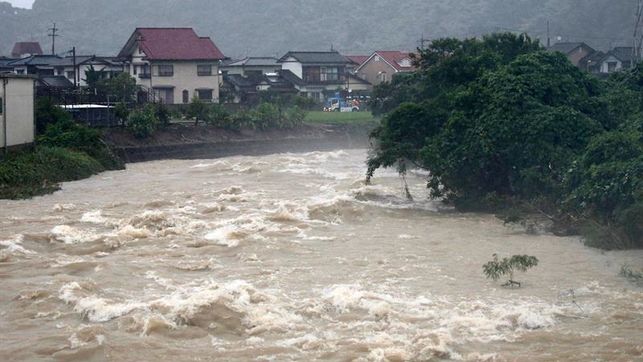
(175, 63)
(382, 66)
(25, 49)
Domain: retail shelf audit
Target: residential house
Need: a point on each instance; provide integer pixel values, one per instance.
(243, 79)
(16, 110)
(617, 59)
(315, 73)
(251, 66)
(38, 65)
(26, 49)
(175, 63)
(575, 52)
(75, 68)
(237, 88)
(382, 66)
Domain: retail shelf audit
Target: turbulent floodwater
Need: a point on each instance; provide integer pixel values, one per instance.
(292, 257)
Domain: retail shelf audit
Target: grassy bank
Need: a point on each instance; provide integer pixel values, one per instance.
(38, 171)
(340, 117)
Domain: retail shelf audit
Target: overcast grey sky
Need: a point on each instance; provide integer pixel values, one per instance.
(21, 3)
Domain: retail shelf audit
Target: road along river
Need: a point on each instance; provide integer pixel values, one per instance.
(291, 257)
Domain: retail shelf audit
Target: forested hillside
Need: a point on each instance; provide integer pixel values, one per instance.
(259, 27)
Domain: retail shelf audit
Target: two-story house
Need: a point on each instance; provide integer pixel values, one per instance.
(175, 63)
(382, 66)
(313, 73)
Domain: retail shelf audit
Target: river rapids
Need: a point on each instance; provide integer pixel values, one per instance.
(292, 257)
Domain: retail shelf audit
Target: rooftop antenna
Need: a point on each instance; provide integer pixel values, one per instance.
(53, 34)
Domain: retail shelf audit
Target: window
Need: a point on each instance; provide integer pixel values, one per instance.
(205, 94)
(329, 74)
(70, 74)
(1, 105)
(164, 95)
(166, 70)
(382, 76)
(204, 70)
(377, 58)
(186, 96)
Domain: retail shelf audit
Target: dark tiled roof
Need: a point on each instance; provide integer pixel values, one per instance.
(174, 44)
(567, 48)
(55, 81)
(624, 54)
(253, 62)
(332, 57)
(239, 80)
(38, 60)
(26, 47)
(291, 77)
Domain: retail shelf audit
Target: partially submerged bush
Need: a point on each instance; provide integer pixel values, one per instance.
(496, 268)
(39, 171)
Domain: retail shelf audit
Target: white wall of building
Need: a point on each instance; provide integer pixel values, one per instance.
(18, 110)
(294, 66)
(606, 63)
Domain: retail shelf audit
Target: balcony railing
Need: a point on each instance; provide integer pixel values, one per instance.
(145, 75)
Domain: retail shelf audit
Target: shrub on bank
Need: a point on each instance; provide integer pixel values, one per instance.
(66, 133)
(39, 171)
(143, 122)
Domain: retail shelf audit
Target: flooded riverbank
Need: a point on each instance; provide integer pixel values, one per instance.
(292, 257)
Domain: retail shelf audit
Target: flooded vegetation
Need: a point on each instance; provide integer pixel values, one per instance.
(293, 257)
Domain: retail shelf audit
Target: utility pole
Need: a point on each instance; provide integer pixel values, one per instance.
(548, 36)
(637, 41)
(76, 75)
(53, 34)
(423, 41)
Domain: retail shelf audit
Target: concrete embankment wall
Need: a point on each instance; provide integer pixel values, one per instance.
(244, 147)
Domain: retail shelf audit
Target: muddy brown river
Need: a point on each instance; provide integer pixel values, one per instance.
(291, 257)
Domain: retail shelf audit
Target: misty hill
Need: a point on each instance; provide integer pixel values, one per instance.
(260, 27)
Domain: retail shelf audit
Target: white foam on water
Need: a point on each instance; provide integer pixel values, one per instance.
(63, 207)
(71, 235)
(14, 246)
(236, 306)
(93, 217)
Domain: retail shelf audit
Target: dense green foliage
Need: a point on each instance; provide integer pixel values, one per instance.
(360, 26)
(498, 121)
(143, 122)
(264, 116)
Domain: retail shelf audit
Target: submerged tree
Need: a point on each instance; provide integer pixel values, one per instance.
(496, 268)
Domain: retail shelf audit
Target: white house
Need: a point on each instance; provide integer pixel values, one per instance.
(16, 110)
(175, 63)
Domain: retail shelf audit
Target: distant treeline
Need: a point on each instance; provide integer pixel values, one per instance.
(505, 126)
